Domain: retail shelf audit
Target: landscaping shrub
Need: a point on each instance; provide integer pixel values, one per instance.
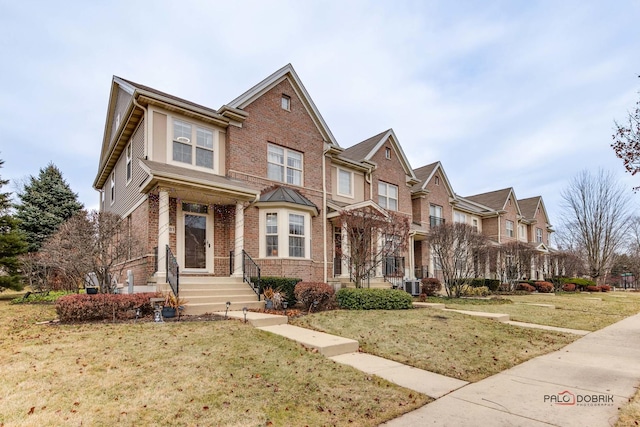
(373, 299)
(578, 281)
(284, 285)
(83, 307)
(605, 288)
(470, 291)
(594, 289)
(492, 284)
(569, 287)
(309, 292)
(422, 298)
(40, 298)
(430, 286)
(525, 287)
(543, 287)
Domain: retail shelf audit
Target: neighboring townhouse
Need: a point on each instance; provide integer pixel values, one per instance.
(261, 181)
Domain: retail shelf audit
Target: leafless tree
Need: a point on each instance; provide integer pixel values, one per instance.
(513, 261)
(372, 237)
(98, 242)
(461, 253)
(595, 219)
(626, 142)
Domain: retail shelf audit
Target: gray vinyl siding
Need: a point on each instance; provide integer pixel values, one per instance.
(122, 101)
(127, 195)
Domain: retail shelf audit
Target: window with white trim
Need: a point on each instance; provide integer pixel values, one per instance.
(128, 156)
(345, 183)
(192, 144)
(284, 165)
(521, 231)
(284, 233)
(388, 196)
(460, 217)
(474, 224)
(509, 228)
(112, 186)
(285, 102)
(296, 235)
(539, 235)
(387, 153)
(272, 234)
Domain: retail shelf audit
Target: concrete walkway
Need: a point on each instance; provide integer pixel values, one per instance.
(583, 384)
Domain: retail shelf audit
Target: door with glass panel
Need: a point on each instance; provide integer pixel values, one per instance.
(196, 238)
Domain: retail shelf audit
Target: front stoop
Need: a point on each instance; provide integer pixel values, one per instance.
(258, 320)
(209, 294)
(326, 344)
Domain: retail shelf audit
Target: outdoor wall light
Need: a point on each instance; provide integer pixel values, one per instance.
(244, 311)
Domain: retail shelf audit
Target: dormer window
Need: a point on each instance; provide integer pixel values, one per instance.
(387, 153)
(285, 102)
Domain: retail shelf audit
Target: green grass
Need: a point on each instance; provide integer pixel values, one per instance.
(180, 373)
(448, 343)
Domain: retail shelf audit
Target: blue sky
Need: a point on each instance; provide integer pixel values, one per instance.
(513, 93)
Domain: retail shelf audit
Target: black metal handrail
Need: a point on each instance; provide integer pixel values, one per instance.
(251, 273)
(435, 221)
(173, 272)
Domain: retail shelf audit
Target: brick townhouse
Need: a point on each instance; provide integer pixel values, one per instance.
(262, 180)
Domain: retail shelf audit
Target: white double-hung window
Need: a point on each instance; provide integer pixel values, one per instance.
(296, 235)
(509, 228)
(285, 233)
(345, 183)
(388, 196)
(192, 144)
(284, 165)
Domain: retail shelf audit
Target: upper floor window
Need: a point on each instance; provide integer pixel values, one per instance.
(192, 143)
(521, 231)
(117, 121)
(474, 224)
(285, 102)
(284, 165)
(388, 196)
(539, 235)
(437, 180)
(509, 228)
(387, 153)
(460, 217)
(129, 161)
(345, 183)
(435, 215)
(112, 186)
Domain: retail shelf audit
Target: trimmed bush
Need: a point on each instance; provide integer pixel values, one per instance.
(605, 288)
(373, 299)
(543, 287)
(470, 291)
(83, 307)
(569, 287)
(309, 292)
(578, 281)
(430, 286)
(492, 284)
(594, 289)
(525, 287)
(284, 285)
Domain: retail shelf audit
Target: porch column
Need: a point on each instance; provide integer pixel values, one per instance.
(412, 259)
(163, 234)
(239, 241)
(346, 253)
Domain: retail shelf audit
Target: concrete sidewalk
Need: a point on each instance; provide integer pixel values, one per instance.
(582, 384)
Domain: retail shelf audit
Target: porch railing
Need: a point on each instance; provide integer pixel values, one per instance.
(173, 272)
(421, 272)
(393, 271)
(251, 273)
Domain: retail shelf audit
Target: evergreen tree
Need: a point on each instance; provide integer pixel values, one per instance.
(12, 244)
(45, 202)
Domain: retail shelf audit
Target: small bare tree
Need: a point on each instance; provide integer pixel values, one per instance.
(626, 142)
(372, 236)
(514, 261)
(596, 219)
(98, 242)
(461, 252)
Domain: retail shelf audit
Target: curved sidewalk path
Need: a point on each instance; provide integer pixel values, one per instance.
(582, 384)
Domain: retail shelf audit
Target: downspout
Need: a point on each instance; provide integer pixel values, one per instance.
(367, 178)
(146, 126)
(324, 215)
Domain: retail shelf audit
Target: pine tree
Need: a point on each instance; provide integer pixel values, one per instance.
(45, 202)
(12, 243)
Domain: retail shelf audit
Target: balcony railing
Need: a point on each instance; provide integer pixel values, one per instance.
(435, 221)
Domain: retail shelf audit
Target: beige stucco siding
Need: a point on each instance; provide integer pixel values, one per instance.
(159, 139)
(358, 186)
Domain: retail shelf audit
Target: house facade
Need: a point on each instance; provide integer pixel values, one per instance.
(263, 178)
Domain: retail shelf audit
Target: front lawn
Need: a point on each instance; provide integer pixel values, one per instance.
(179, 373)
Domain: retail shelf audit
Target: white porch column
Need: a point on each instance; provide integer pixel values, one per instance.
(163, 234)
(239, 241)
(346, 252)
(412, 259)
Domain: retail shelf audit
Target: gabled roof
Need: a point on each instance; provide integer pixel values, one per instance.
(529, 206)
(496, 200)
(287, 195)
(365, 150)
(426, 173)
(286, 72)
(355, 206)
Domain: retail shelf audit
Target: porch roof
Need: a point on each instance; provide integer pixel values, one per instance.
(165, 174)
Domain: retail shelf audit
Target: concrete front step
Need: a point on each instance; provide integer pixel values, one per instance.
(258, 320)
(202, 308)
(212, 298)
(326, 344)
(209, 280)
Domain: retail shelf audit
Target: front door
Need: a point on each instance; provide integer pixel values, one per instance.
(195, 238)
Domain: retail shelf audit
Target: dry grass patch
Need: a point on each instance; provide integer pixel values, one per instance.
(181, 373)
(629, 415)
(574, 311)
(450, 344)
